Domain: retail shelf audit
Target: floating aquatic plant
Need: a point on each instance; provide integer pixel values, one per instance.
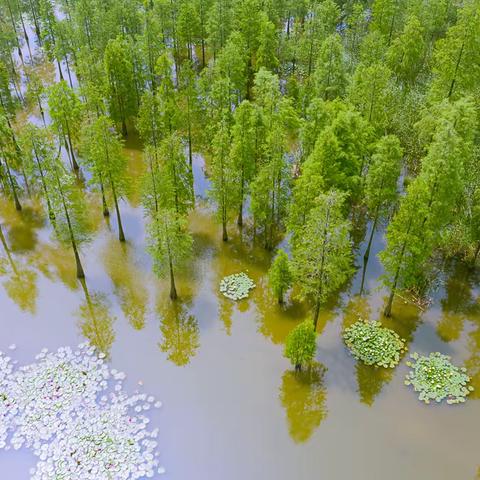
(436, 378)
(373, 344)
(6, 368)
(47, 393)
(236, 286)
(70, 408)
(105, 443)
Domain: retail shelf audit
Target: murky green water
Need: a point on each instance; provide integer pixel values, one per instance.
(233, 408)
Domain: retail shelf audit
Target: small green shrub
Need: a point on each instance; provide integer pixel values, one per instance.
(301, 345)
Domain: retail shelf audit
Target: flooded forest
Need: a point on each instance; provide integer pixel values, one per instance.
(262, 216)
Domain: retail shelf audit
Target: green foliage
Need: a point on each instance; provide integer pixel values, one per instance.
(373, 344)
(321, 250)
(406, 54)
(169, 242)
(301, 345)
(456, 64)
(224, 181)
(280, 276)
(175, 182)
(371, 92)
(330, 72)
(65, 111)
(382, 176)
(118, 64)
(435, 378)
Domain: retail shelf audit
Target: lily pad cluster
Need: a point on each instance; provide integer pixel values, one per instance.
(6, 368)
(71, 409)
(373, 344)
(436, 378)
(236, 286)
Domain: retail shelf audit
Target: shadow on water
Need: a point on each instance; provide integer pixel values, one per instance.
(303, 396)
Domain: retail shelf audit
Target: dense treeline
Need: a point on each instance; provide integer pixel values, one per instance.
(313, 116)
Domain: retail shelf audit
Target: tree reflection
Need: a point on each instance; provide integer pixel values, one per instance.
(128, 281)
(55, 262)
(180, 332)
(372, 379)
(459, 303)
(472, 364)
(275, 320)
(21, 281)
(303, 395)
(96, 322)
(22, 226)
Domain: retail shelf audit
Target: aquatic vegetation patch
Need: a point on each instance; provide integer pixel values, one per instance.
(105, 443)
(373, 344)
(52, 390)
(6, 368)
(72, 410)
(236, 286)
(436, 378)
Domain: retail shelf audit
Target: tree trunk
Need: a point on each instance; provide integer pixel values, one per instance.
(388, 309)
(68, 72)
(3, 241)
(316, 315)
(51, 214)
(80, 272)
(18, 206)
(60, 74)
(477, 251)
(106, 212)
(369, 246)
(240, 210)
(173, 289)
(364, 272)
(121, 234)
(74, 161)
(224, 230)
(454, 79)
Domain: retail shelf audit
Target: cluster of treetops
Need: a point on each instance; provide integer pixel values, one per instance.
(318, 115)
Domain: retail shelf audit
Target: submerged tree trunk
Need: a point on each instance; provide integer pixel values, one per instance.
(121, 234)
(80, 272)
(224, 231)
(69, 137)
(173, 289)
(7, 251)
(106, 212)
(18, 206)
(388, 309)
(242, 190)
(316, 315)
(369, 246)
